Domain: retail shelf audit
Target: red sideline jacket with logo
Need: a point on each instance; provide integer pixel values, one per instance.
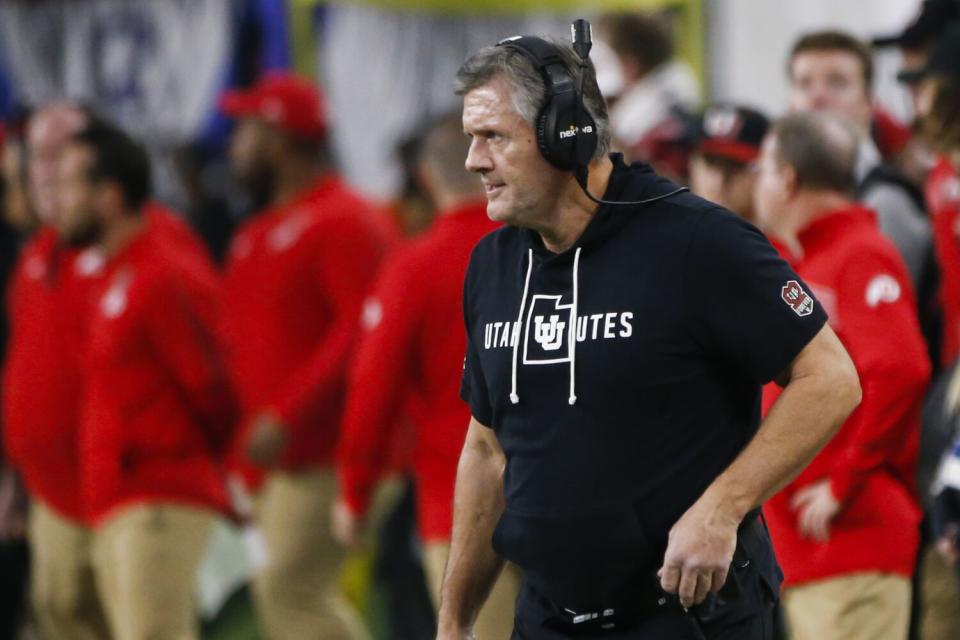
(46, 303)
(156, 403)
(943, 201)
(296, 279)
(859, 278)
(413, 348)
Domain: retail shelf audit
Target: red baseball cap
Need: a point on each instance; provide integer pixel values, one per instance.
(289, 102)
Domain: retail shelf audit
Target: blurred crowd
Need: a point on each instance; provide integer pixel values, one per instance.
(203, 346)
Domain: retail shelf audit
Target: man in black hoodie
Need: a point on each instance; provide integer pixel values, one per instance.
(614, 365)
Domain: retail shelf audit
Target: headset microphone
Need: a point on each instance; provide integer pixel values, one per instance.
(581, 33)
(566, 132)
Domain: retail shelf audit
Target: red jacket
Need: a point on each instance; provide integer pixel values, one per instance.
(943, 202)
(859, 278)
(42, 380)
(46, 302)
(296, 279)
(413, 348)
(156, 402)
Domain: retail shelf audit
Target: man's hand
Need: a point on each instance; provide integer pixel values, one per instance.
(699, 552)
(267, 440)
(816, 507)
(345, 525)
(13, 506)
(946, 544)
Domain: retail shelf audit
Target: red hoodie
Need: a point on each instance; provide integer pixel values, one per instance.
(413, 348)
(46, 299)
(859, 278)
(943, 200)
(296, 279)
(156, 403)
(41, 386)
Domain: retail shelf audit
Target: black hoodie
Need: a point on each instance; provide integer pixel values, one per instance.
(682, 312)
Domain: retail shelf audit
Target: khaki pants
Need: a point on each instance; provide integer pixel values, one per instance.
(868, 606)
(495, 621)
(146, 559)
(63, 589)
(940, 619)
(297, 593)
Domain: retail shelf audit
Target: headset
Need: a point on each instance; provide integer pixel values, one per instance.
(566, 132)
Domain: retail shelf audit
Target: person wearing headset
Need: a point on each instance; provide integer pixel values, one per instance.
(616, 349)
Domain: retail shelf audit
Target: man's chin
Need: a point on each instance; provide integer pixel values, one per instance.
(81, 237)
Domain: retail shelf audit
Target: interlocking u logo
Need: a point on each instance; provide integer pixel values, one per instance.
(549, 336)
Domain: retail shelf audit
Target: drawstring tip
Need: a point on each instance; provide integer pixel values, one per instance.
(572, 400)
(514, 398)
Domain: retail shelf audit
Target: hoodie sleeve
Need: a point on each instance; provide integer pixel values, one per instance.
(875, 303)
(180, 324)
(745, 304)
(378, 379)
(473, 385)
(348, 259)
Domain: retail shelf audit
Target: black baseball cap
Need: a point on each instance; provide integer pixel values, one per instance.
(930, 23)
(732, 131)
(943, 60)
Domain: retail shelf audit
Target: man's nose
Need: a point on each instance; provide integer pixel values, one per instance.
(478, 157)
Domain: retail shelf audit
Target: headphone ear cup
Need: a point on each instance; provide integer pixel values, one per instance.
(547, 137)
(564, 131)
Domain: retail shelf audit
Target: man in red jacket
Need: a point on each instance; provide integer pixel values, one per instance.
(155, 405)
(412, 352)
(42, 380)
(297, 274)
(41, 393)
(846, 530)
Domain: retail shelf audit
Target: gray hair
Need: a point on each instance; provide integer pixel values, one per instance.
(529, 90)
(822, 149)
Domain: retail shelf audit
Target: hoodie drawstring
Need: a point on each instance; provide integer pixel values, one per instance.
(572, 400)
(514, 397)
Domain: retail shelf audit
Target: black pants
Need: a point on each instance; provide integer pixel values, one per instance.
(536, 620)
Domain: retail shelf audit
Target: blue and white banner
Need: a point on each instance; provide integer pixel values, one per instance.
(155, 67)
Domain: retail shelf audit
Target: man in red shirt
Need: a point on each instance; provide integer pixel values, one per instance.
(412, 352)
(297, 274)
(41, 394)
(847, 529)
(155, 404)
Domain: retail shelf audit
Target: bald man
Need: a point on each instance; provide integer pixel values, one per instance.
(846, 529)
(42, 379)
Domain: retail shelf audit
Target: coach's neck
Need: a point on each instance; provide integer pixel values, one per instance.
(574, 209)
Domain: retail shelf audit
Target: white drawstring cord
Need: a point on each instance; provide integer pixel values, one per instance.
(514, 396)
(572, 400)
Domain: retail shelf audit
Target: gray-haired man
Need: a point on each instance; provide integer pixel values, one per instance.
(614, 363)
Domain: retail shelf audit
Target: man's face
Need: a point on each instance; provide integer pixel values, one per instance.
(250, 156)
(47, 135)
(771, 192)
(730, 187)
(522, 188)
(830, 80)
(78, 223)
